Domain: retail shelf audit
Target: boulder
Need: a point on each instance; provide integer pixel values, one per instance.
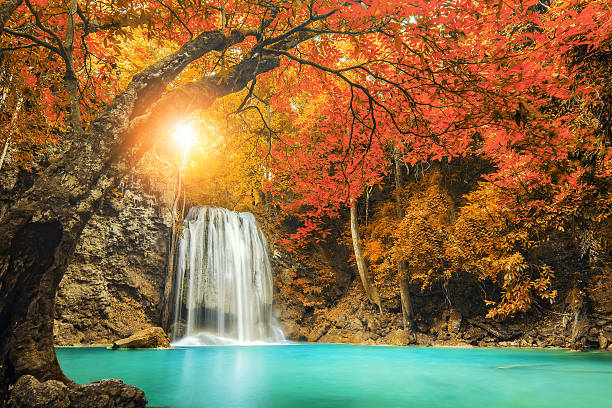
(111, 393)
(28, 392)
(361, 337)
(291, 330)
(147, 338)
(605, 339)
(398, 337)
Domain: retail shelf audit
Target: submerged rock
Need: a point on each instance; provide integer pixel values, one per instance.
(147, 338)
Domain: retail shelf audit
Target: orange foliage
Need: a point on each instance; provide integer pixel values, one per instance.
(490, 245)
(481, 239)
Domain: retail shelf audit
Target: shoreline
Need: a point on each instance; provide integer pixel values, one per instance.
(298, 343)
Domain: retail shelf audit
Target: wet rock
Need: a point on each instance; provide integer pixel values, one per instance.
(111, 393)
(333, 338)
(291, 312)
(579, 326)
(422, 326)
(28, 392)
(451, 343)
(443, 336)
(291, 330)
(439, 325)
(147, 338)
(557, 342)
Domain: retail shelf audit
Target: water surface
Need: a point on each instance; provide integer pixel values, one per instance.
(323, 375)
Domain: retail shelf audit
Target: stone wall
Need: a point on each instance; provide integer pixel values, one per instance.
(115, 279)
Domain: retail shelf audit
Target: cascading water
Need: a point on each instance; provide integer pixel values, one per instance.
(223, 281)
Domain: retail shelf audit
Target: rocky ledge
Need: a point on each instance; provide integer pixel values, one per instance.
(152, 337)
(28, 392)
(354, 320)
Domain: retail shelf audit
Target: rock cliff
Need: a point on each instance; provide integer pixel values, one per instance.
(114, 283)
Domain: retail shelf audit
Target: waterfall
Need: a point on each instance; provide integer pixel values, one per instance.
(223, 281)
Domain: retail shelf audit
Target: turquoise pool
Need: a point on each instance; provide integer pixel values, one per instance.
(320, 375)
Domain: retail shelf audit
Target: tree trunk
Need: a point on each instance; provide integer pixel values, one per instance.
(39, 233)
(169, 288)
(407, 311)
(370, 290)
(402, 267)
(10, 129)
(6, 145)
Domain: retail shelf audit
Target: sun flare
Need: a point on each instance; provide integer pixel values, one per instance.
(184, 135)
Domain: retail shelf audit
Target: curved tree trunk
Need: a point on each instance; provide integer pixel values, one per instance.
(402, 267)
(39, 233)
(370, 290)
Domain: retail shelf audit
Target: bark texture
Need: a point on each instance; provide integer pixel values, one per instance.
(370, 290)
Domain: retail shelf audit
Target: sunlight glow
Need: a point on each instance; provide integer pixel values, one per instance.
(184, 135)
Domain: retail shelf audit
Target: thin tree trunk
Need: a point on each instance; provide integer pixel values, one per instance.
(402, 267)
(370, 290)
(10, 128)
(174, 236)
(6, 145)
